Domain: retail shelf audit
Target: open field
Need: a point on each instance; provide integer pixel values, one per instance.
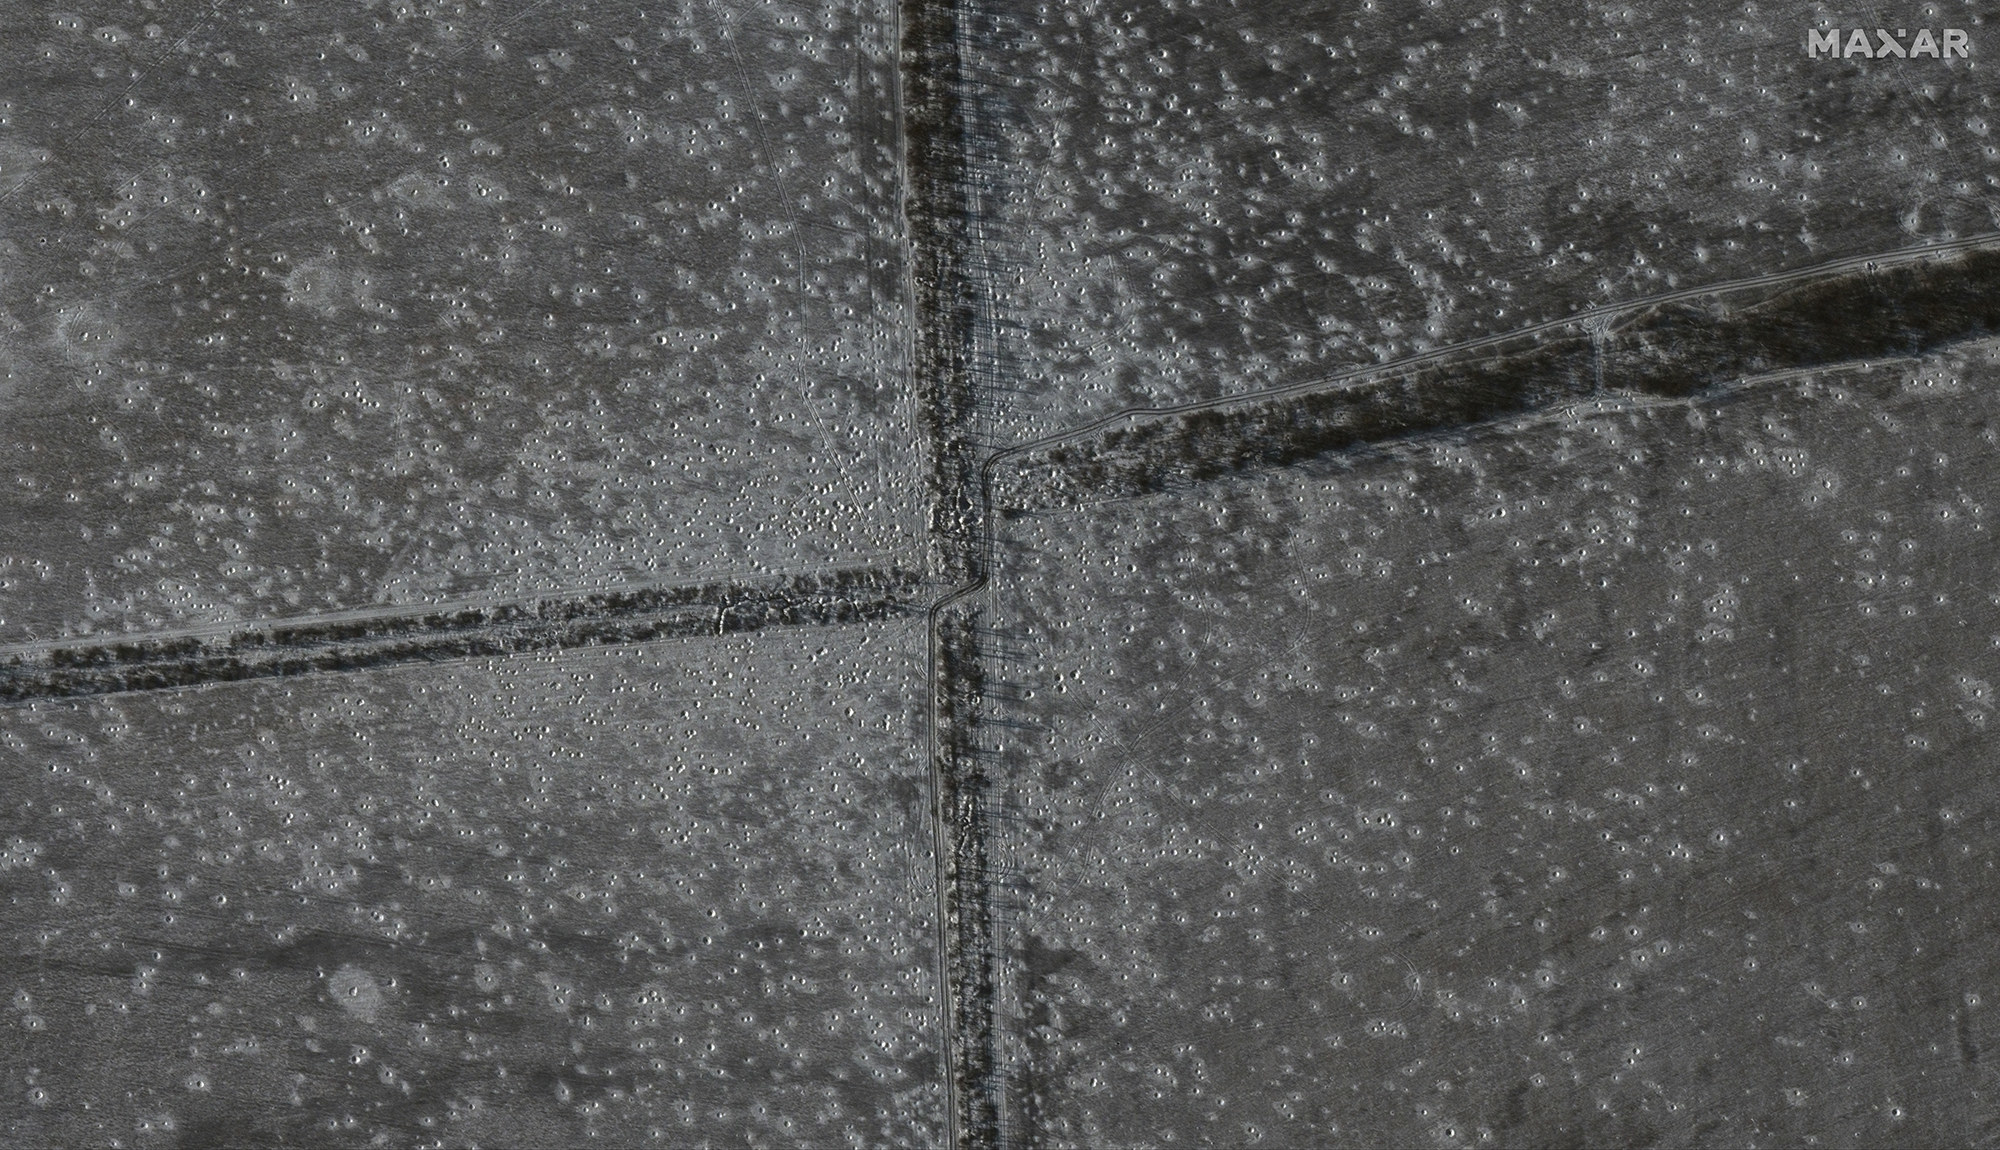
(1613, 776)
(311, 309)
(1200, 198)
(677, 893)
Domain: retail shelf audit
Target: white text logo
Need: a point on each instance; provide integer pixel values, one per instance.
(1881, 44)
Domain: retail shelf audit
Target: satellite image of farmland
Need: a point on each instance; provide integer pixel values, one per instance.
(980, 574)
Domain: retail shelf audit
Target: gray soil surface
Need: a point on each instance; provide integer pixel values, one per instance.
(984, 574)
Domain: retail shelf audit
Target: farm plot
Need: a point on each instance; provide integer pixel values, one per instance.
(1615, 776)
(310, 310)
(677, 893)
(1199, 199)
